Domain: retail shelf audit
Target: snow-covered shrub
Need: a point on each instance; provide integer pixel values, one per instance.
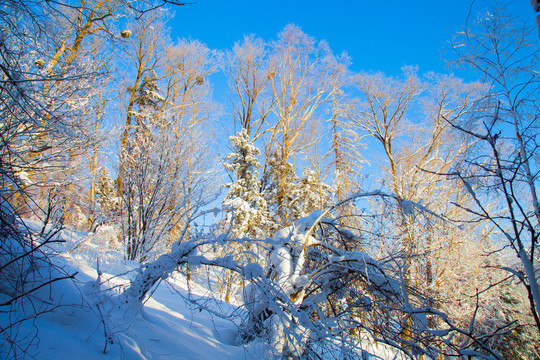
(316, 292)
(164, 167)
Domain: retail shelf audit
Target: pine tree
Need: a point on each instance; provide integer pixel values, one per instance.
(301, 196)
(106, 193)
(244, 199)
(278, 182)
(310, 194)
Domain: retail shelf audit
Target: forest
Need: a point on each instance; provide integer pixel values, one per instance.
(346, 213)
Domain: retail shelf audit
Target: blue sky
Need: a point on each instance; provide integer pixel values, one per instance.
(377, 35)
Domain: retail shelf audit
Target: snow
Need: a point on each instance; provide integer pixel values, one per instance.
(167, 328)
(179, 319)
(253, 270)
(282, 261)
(255, 298)
(161, 332)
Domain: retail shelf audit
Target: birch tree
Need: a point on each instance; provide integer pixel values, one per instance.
(300, 79)
(247, 69)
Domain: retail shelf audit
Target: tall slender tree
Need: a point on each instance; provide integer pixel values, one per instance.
(300, 79)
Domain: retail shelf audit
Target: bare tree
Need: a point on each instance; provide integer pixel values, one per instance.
(162, 166)
(300, 73)
(409, 120)
(503, 168)
(246, 67)
(44, 94)
(49, 78)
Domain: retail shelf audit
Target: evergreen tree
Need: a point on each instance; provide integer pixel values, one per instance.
(278, 182)
(244, 199)
(310, 194)
(106, 193)
(301, 197)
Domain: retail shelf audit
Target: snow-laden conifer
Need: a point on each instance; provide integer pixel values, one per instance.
(310, 194)
(244, 200)
(106, 192)
(278, 180)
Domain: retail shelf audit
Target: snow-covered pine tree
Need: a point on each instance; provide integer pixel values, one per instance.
(106, 193)
(310, 194)
(301, 197)
(244, 200)
(278, 182)
(247, 211)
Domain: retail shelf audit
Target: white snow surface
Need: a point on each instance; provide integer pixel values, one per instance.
(167, 328)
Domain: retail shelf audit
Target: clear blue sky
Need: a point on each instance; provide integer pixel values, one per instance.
(377, 35)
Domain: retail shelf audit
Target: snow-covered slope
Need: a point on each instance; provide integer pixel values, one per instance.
(167, 328)
(85, 318)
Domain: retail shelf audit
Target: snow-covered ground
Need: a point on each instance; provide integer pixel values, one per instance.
(180, 320)
(169, 327)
